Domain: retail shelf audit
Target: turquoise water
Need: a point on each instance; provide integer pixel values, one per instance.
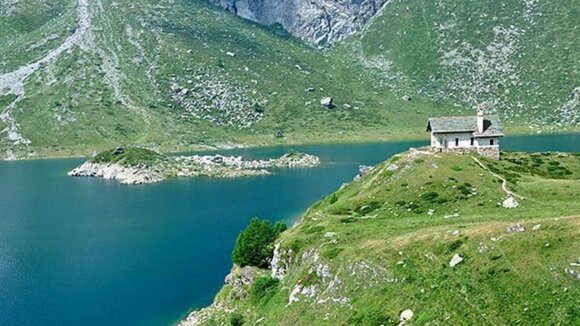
(92, 252)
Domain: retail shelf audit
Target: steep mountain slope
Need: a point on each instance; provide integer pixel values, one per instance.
(425, 234)
(520, 57)
(173, 74)
(322, 22)
(78, 75)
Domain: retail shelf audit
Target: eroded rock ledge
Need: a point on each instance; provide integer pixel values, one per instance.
(145, 167)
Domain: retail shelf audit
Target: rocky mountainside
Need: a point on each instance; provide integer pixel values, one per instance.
(424, 239)
(320, 22)
(173, 75)
(519, 57)
(78, 76)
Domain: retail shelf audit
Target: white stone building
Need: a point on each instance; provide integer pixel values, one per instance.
(477, 133)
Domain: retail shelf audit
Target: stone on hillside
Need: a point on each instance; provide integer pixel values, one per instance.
(175, 88)
(455, 260)
(536, 227)
(347, 106)
(118, 151)
(327, 103)
(515, 229)
(510, 202)
(310, 89)
(240, 277)
(184, 91)
(364, 170)
(406, 315)
(231, 54)
(407, 98)
(392, 167)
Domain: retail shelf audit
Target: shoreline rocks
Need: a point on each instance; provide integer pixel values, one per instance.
(125, 175)
(192, 166)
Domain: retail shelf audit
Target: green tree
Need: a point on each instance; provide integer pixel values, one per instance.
(236, 319)
(255, 244)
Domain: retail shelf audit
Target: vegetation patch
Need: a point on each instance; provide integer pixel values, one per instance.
(255, 244)
(128, 156)
(263, 289)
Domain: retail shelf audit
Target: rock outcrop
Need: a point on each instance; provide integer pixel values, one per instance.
(217, 166)
(123, 174)
(321, 22)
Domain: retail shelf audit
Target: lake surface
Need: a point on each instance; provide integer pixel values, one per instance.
(77, 251)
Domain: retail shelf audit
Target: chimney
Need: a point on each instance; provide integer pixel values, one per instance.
(479, 118)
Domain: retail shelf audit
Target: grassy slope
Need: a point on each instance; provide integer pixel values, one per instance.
(519, 57)
(385, 253)
(118, 88)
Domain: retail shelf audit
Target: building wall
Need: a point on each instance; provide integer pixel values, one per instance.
(463, 141)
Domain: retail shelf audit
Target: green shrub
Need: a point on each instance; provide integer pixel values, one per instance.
(263, 289)
(331, 253)
(255, 244)
(430, 196)
(333, 198)
(236, 319)
(314, 229)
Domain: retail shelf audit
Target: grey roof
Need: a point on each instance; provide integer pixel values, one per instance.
(491, 125)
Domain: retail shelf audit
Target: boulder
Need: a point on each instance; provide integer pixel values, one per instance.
(515, 229)
(510, 202)
(118, 151)
(407, 98)
(364, 169)
(217, 159)
(406, 315)
(455, 260)
(327, 103)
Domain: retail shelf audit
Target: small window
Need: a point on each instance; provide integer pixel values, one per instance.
(456, 142)
(472, 141)
(491, 142)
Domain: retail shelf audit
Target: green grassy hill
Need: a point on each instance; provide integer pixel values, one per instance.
(175, 75)
(383, 244)
(519, 57)
(123, 81)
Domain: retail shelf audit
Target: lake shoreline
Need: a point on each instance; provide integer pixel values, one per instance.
(181, 150)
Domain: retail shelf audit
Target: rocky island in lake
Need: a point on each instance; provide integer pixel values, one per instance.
(134, 166)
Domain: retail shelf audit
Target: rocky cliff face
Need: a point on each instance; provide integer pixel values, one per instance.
(321, 22)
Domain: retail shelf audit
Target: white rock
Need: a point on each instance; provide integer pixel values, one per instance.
(515, 229)
(510, 202)
(536, 227)
(455, 260)
(326, 102)
(407, 314)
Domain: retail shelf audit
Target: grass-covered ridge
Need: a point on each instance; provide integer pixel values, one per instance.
(180, 74)
(383, 244)
(128, 156)
(519, 57)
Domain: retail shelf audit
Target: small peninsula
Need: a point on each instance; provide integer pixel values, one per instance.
(133, 165)
(411, 241)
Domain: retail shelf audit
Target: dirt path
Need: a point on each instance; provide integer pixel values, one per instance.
(13, 82)
(504, 186)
